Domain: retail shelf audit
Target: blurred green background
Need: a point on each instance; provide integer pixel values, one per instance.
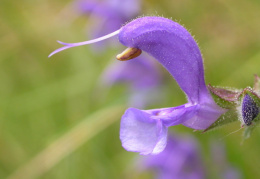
(56, 123)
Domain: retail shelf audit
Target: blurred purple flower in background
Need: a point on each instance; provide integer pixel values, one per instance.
(181, 159)
(145, 131)
(142, 77)
(110, 9)
(219, 160)
(108, 15)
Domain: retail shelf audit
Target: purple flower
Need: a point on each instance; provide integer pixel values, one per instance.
(110, 8)
(145, 131)
(181, 159)
(141, 76)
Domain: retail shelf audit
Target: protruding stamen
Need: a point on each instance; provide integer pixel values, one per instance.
(69, 45)
(129, 54)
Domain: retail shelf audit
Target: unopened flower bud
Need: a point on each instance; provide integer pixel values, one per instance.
(250, 110)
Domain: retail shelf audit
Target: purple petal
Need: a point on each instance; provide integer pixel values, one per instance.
(174, 47)
(206, 115)
(140, 133)
(146, 131)
(177, 115)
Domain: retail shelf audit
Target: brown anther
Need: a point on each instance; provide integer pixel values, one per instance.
(129, 54)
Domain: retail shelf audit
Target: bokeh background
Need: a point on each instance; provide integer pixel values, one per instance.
(56, 120)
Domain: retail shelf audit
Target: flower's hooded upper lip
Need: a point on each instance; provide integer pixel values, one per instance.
(174, 47)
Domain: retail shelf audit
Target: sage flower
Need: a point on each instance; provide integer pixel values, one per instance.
(145, 131)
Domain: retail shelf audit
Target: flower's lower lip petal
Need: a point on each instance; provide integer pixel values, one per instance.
(204, 117)
(178, 115)
(140, 133)
(162, 138)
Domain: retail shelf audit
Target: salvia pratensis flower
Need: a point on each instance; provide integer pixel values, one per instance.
(145, 131)
(181, 159)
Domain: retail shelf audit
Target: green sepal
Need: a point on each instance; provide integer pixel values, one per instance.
(252, 94)
(223, 97)
(226, 118)
(231, 99)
